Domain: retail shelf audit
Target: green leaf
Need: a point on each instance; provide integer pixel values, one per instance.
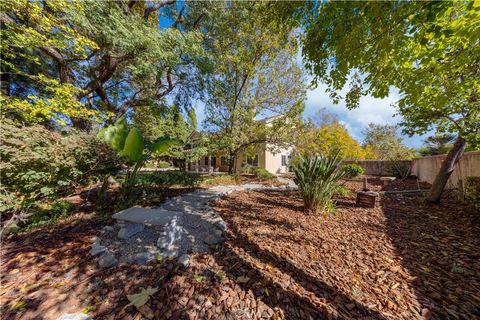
(162, 145)
(134, 145)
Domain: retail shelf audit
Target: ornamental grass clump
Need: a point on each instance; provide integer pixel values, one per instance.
(317, 178)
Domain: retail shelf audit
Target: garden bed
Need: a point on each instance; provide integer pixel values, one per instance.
(405, 259)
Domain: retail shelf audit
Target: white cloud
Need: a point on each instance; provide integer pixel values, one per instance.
(370, 110)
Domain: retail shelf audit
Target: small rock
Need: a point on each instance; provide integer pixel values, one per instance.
(107, 260)
(184, 260)
(75, 316)
(94, 239)
(97, 249)
(129, 230)
(144, 258)
(108, 229)
(221, 225)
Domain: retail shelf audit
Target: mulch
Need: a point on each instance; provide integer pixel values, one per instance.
(405, 259)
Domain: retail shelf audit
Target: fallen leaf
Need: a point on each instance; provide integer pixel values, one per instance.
(139, 299)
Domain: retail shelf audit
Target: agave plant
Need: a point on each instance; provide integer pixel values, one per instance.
(132, 145)
(316, 178)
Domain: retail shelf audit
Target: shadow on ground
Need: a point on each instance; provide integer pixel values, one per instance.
(440, 246)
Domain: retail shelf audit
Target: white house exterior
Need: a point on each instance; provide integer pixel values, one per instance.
(274, 162)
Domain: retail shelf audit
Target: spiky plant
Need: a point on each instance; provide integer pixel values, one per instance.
(316, 178)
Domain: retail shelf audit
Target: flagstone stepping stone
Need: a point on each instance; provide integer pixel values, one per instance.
(145, 216)
(75, 316)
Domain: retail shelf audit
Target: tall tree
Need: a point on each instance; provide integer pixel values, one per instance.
(386, 143)
(429, 50)
(324, 134)
(437, 144)
(255, 76)
(115, 55)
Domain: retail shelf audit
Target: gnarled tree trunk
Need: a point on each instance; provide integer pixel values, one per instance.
(446, 170)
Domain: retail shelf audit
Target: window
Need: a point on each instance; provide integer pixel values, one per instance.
(253, 161)
(206, 161)
(284, 160)
(223, 161)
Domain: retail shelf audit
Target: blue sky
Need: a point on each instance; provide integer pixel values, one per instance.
(371, 110)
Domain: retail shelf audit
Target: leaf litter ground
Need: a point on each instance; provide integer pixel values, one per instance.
(405, 259)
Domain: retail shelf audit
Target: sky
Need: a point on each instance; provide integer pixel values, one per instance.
(371, 110)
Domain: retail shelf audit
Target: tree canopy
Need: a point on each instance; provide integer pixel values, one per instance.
(324, 134)
(254, 76)
(60, 59)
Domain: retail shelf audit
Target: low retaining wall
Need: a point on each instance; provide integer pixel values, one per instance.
(376, 167)
(426, 168)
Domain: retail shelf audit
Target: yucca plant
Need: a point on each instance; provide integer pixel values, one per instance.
(316, 178)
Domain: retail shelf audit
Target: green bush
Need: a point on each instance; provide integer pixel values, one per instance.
(221, 180)
(264, 175)
(472, 191)
(248, 169)
(38, 163)
(317, 179)
(163, 164)
(353, 170)
(166, 179)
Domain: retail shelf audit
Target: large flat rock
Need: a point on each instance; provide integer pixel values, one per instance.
(156, 217)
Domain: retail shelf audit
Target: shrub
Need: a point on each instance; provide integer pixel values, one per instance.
(264, 175)
(166, 179)
(316, 179)
(248, 168)
(472, 191)
(163, 164)
(400, 169)
(343, 191)
(38, 163)
(353, 170)
(218, 180)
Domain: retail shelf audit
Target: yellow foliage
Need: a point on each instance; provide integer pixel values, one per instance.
(330, 137)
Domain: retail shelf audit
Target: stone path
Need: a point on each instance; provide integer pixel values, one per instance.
(180, 226)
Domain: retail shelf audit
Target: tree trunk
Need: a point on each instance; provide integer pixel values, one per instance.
(231, 163)
(446, 170)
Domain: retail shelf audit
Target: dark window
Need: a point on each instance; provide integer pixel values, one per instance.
(223, 161)
(253, 161)
(214, 162)
(206, 161)
(284, 160)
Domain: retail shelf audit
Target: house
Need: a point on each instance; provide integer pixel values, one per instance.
(274, 162)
